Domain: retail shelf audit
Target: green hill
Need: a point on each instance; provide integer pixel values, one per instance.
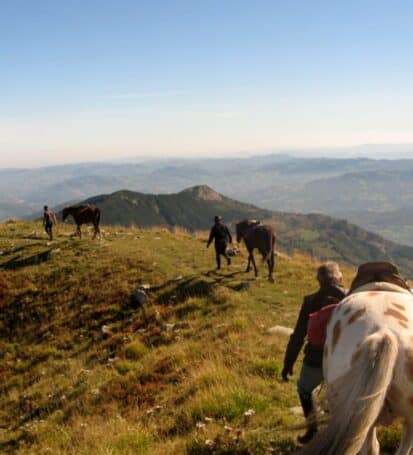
(319, 236)
(193, 208)
(85, 372)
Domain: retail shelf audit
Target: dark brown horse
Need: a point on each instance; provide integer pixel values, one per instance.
(258, 236)
(83, 214)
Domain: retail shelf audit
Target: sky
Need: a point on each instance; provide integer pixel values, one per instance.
(86, 80)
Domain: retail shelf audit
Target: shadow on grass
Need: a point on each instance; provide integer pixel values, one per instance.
(19, 249)
(35, 259)
(190, 287)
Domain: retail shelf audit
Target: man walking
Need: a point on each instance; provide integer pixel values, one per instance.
(331, 291)
(222, 237)
(49, 219)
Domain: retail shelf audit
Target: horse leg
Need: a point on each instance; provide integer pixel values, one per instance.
(78, 231)
(270, 263)
(371, 444)
(406, 444)
(249, 263)
(96, 231)
(253, 263)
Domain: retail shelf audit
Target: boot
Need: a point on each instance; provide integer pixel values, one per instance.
(309, 413)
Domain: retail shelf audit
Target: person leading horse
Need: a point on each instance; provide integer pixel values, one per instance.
(222, 236)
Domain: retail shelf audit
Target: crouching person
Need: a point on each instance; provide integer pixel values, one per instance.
(330, 291)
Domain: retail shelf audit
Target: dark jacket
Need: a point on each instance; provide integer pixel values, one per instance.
(220, 233)
(313, 355)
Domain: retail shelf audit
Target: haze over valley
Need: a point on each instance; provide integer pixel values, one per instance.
(376, 194)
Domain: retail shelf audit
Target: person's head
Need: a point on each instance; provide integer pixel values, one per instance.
(329, 274)
(217, 219)
(45, 207)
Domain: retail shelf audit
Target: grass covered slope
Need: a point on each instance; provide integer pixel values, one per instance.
(198, 372)
(316, 235)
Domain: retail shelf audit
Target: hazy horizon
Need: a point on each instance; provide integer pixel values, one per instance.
(370, 151)
(94, 81)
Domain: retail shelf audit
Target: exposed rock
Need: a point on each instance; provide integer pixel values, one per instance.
(182, 325)
(280, 330)
(243, 286)
(106, 331)
(139, 297)
(249, 413)
(168, 327)
(297, 410)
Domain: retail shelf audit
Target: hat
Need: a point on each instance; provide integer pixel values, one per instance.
(217, 218)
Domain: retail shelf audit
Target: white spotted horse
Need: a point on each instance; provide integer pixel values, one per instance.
(368, 365)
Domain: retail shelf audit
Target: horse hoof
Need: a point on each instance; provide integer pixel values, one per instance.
(271, 279)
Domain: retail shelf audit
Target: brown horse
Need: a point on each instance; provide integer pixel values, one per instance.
(83, 214)
(257, 236)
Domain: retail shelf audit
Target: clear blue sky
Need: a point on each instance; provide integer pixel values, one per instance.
(90, 79)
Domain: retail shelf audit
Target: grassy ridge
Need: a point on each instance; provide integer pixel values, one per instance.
(178, 378)
(316, 235)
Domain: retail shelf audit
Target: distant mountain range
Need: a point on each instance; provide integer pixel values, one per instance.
(320, 236)
(375, 194)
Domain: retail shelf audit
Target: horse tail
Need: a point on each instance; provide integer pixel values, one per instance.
(357, 397)
(97, 216)
(271, 242)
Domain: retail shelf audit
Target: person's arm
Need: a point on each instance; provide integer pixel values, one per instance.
(211, 236)
(229, 235)
(54, 218)
(296, 342)
(44, 219)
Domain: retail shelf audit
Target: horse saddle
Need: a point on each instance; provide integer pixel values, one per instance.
(371, 272)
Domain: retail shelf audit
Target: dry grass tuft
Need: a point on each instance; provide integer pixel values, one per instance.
(196, 364)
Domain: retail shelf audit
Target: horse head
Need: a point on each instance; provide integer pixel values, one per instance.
(239, 229)
(243, 227)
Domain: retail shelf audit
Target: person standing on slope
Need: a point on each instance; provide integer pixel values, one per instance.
(222, 237)
(331, 291)
(49, 219)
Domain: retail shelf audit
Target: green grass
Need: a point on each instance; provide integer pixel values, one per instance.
(159, 381)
